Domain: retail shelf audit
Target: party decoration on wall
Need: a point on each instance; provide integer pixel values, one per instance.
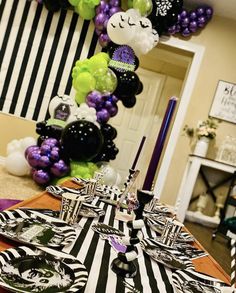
(15, 163)
(46, 161)
(191, 21)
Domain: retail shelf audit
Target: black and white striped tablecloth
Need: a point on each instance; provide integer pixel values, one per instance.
(97, 255)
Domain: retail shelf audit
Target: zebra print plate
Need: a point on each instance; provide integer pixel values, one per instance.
(170, 258)
(91, 211)
(41, 270)
(194, 282)
(35, 228)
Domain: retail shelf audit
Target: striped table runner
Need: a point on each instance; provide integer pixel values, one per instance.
(97, 255)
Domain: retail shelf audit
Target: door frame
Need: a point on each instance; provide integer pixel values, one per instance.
(187, 89)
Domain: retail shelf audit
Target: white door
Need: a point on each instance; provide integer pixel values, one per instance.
(134, 123)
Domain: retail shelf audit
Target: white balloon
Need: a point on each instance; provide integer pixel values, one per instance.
(121, 28)
(13, 146)
(144, 24)
(26, 142)
(17, 165)
(66, 102)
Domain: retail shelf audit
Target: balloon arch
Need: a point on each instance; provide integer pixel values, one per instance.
(77, 137)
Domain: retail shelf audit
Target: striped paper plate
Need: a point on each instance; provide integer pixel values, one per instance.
(194, 282)
(35, 228)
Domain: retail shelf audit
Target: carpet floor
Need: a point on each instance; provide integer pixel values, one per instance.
(16, 187)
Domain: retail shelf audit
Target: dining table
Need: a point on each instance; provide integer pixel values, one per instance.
(97, 254)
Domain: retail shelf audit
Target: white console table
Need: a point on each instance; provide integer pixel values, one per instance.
(189, 179)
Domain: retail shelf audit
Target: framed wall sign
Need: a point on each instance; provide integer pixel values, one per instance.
(224, 103)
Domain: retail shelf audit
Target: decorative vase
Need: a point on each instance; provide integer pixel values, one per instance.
(201, 147)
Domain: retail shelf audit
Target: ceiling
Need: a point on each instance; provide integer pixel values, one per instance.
(224, 8)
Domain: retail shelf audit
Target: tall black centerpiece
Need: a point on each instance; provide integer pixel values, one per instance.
(124, 264)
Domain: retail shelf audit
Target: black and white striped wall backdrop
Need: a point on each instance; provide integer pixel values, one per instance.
(38, 50)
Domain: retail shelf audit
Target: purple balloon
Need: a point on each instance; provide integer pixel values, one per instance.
(59, 169)
(183, 13)
(114, 10)
(41, 177)
(51, 142)
(98, 32)
(45, 149)
(33, 158)
(193, 26)
(192, 15)
(95, 97)
(113, 3)
(172, 30)
(54, 155)
(201, 21)
(44, 162)
(104, 40)
(31, 149)
(99, 20)
(186, 32)
(103, 116)
(209, 12)
(108, 104)
(113, 111)
(200, 11)
(114, 98)
(185, 22)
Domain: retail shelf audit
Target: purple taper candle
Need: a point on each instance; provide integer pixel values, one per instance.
(159, 144)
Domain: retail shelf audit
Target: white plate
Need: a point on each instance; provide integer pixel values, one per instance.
(35, 228)
(193, 282)
(41, 270)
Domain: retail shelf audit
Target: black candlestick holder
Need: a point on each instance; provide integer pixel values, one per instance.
(124, 264)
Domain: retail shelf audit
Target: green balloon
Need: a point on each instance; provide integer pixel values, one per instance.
(85, 82)
(74, 2)
(97, 62)
(106, 81)
(80, 97)
(85, 11)
(143, 6)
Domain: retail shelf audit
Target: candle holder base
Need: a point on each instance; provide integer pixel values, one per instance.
(124, 269)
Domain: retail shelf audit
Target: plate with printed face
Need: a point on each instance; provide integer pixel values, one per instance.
(41, 270)
(35, 228)
(185, 281)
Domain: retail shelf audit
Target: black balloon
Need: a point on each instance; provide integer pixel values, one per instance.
(109, 149)
(81, 140)
(108, 131)
(47, 131)
(56, 5)
(140, 88)
(128, 83)
(129, 102)
(164, 14)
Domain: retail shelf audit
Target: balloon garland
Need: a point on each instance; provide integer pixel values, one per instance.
(77, 135)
